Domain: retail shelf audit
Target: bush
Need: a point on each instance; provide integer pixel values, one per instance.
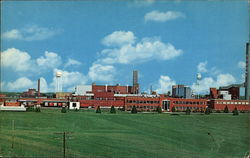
(226, 110)
(30, 109)
(188, 111)
(235, 111)
(208, 111)
(63, 109)
(158, 109)
(112, 110)
(37, 109)
(134, 110)
(173, 109)
(218, 111)
(242, 111)
(98, 110)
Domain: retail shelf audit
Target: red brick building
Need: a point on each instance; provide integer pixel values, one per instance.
(241, 105)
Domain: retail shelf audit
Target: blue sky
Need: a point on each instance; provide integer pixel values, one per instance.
(168, 42)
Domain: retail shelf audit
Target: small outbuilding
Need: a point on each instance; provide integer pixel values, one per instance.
(74, 105)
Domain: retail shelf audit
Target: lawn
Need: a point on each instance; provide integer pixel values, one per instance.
(123, 134)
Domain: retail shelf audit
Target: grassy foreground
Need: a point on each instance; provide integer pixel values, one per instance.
(123, 134)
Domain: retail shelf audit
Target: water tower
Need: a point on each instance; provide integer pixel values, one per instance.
(58, 81)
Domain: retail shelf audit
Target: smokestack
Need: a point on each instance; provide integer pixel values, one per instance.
(106, 87)
(135, 82)
(38, 87)
(135, 77)
(247, 75)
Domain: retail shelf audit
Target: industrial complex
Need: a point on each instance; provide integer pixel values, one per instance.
(125, 97)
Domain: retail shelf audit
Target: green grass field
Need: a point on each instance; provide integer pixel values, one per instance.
(124, 134)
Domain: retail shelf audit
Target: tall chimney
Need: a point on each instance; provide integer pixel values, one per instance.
(135, 82)
(247, 75)
(38, 87)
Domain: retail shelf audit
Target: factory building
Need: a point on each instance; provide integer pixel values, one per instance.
(220, 104)
(181, 91)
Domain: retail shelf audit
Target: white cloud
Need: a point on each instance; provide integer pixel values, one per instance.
(98, 72)
(146, 49)
(20, 61)
(162, 16)
(12, 34)
(30, 33)
(165, 84)
(242, 64)
(16, 60)
(119, 38)
(72, 62)
(49, 60)
(69, 79)
(208, 82)
(202, 67)
(22, 83)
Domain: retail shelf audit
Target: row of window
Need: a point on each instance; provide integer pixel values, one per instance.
(143, 107)
(191, 108)
(224, 102)
(143, 101)
(189, 102)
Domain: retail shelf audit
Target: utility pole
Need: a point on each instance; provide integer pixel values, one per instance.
(64, 134)
(13, 137)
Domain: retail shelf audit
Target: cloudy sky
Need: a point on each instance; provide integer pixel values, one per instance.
(168, 42)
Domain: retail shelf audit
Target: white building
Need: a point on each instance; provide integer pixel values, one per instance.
(82, 89)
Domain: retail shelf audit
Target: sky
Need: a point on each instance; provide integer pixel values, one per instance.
(103, 41)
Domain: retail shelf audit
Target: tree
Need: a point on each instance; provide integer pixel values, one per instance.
(112, 110)
(226, 110)
(188, 111)
(158, 109)
(173, 109)
(235, 111)
(63, 109)
(208, 111)
(134, 110)
(98, 110)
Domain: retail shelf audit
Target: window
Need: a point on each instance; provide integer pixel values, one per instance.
(74, 105)
(247, 102)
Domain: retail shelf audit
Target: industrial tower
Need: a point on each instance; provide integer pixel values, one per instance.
(247, 75)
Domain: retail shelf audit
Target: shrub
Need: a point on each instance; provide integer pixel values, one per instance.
(208, 111)
(112, 110)
(188, 111)
(30, 108)
(134, 110)
(98, 110)
(63, 109)
(242, 111)
(158, 109)
(218, 111)
(226, 110)
(235, 111)
(173, 109)
(37, 109)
